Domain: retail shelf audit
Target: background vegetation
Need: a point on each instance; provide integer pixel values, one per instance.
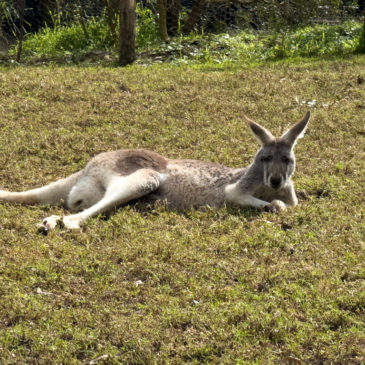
(245, 31)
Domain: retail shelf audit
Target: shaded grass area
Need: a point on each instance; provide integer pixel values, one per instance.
(146, 285)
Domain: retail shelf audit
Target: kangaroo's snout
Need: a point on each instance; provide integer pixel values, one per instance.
(275, 182)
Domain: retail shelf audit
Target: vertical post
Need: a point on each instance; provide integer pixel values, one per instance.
(127, 32)
(162, 20)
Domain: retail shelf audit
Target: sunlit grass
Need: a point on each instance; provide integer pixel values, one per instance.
(150, 286)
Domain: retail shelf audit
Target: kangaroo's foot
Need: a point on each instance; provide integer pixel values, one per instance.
(275, 206)
(48, 224)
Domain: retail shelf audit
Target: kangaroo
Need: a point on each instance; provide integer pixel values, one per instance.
(111, 179)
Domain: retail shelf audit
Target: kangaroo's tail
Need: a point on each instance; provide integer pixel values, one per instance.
(53, 193)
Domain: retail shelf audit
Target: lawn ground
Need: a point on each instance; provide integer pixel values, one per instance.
(150, 286)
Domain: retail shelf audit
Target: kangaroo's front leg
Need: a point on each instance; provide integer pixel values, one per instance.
(234, 195)
(121, 190)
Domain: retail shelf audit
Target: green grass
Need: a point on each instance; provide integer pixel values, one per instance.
(150, 286)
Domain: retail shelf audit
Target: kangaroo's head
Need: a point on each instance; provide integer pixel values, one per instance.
(276, 157)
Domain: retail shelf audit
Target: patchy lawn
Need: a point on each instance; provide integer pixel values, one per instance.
(150, 286)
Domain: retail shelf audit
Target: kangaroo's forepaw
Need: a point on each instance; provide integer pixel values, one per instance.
(71, 222)
(275, 206)
(48, 224)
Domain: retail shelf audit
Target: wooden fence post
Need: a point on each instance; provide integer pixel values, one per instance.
(162, 19)
(127, 32)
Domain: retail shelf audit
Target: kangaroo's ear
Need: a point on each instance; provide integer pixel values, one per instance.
(261, 133)
(297, 131)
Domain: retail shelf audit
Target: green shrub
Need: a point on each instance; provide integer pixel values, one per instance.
(315, 41)
(67, 41)
(71, 43)
(248, 47)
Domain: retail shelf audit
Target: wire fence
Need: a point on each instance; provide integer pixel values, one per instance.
(182, 15)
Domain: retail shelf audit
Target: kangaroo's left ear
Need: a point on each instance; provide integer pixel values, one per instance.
(261, 133)
(297, 131)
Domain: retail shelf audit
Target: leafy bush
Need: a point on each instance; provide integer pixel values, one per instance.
(248, 47)
(67, 41)
(71, 42)
(316, 40)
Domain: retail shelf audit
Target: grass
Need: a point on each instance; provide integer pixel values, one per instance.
(150, 286)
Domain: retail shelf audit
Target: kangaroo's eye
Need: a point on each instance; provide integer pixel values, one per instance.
(266, 158)
(286, 159)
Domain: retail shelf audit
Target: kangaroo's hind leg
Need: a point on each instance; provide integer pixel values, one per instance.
(87, 191)
(120, 190)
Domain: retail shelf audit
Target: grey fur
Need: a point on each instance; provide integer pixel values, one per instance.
(111, 179)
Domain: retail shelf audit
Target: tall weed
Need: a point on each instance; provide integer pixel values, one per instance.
(147, 27)
(361, 43)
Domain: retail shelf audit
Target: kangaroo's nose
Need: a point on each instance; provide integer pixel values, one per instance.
(275, 182)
